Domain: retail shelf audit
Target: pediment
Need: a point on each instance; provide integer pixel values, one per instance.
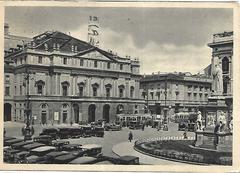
(95, 55)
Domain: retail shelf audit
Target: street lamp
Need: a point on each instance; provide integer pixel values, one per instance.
(27, 134)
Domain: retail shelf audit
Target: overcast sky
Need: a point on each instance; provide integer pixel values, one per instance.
(164, 39)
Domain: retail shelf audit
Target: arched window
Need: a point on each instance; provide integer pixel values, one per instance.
(65, 86)
(40, 85)
(44, 113)
(225, 65)
(131, 91)
(95, 89)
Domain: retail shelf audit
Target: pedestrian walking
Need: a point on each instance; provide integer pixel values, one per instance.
(32, 130)
(130, 136)
(23, 130)
(143, 126)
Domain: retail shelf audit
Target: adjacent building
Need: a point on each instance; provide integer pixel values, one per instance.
(67, 80)
(175, 92)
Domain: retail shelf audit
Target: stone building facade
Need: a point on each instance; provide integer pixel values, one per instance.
(175, 92)
(67, 80)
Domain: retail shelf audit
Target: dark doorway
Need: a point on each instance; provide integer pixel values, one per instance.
(76, 113)
(106, 109)
(225, 86)
(7, 112)
(91, 113)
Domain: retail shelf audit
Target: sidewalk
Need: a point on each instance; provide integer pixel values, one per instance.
(126, 148)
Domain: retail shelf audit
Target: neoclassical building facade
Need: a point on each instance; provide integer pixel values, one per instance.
(67, 80)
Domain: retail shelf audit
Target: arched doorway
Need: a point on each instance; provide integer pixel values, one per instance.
(65, 113)
(120, 109)
(76, 113)
(225, 65)
(106, 109)
(7, 112)
(91, 113)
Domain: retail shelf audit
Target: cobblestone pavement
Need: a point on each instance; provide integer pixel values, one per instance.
(111, 138)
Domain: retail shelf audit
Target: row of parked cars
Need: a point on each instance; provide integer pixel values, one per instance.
(58, 152)
(73, 132)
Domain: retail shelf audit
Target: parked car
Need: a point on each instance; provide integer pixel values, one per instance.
(21, 156)
(19, 145)
(182, 126)
(98, 131)
(52, 155)
(9, 155)
(7, 138)
(92, 150)
(64, 159)
(64, 132)
(191, 127)
(112, 127)
(87, 131)
(84, 160)
(32, 146)
(76, 132)
(128, 160)
(71, 147)
(135, 125)
(59, 144)
(45, 139)
(50, 131)
(12, 141)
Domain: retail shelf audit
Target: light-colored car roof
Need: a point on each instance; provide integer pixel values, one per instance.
(44, 148)
(90, 146)
(82, 160)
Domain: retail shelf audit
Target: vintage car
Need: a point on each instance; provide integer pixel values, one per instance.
(9, 155)
(45, 139)
(183, 125)
(92, 150)
(52, 155)
(59, 144)
(87, 131)
(98, 131)
(191, 127)
(64, 132)
(76, 132)
(71, 147)
(128, 160)
(63, 159)
(39, 154)
(12, 141)
(32, 146)
(21, 156)
(51, 131)
(84, 160)
(135, 125)
(112, 127)
(7, 138)
(21, 144)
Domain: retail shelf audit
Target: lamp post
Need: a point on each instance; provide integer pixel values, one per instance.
(27, 135)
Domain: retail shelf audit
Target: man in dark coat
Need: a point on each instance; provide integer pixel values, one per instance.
(130, 136)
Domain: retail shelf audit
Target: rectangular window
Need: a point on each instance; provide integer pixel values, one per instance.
(39, 89)
(107, 92)
(65, 90)
(80, 91)
(158, 95)
(108, 65)
(121, 67)
(15, 90)
(81, 62)
(7, 91)
(94, 92)
(120, 92)
(177, 95)
(95, 64)
(7, 78)
(64, 60)
(189, 96)
(40, 59)
(151, 95)
(20, 92)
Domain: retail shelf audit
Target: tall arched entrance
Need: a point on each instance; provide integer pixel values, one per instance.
(91, 113)
(7, 112)
(106, 109)
(76, 113)
(44, 113)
